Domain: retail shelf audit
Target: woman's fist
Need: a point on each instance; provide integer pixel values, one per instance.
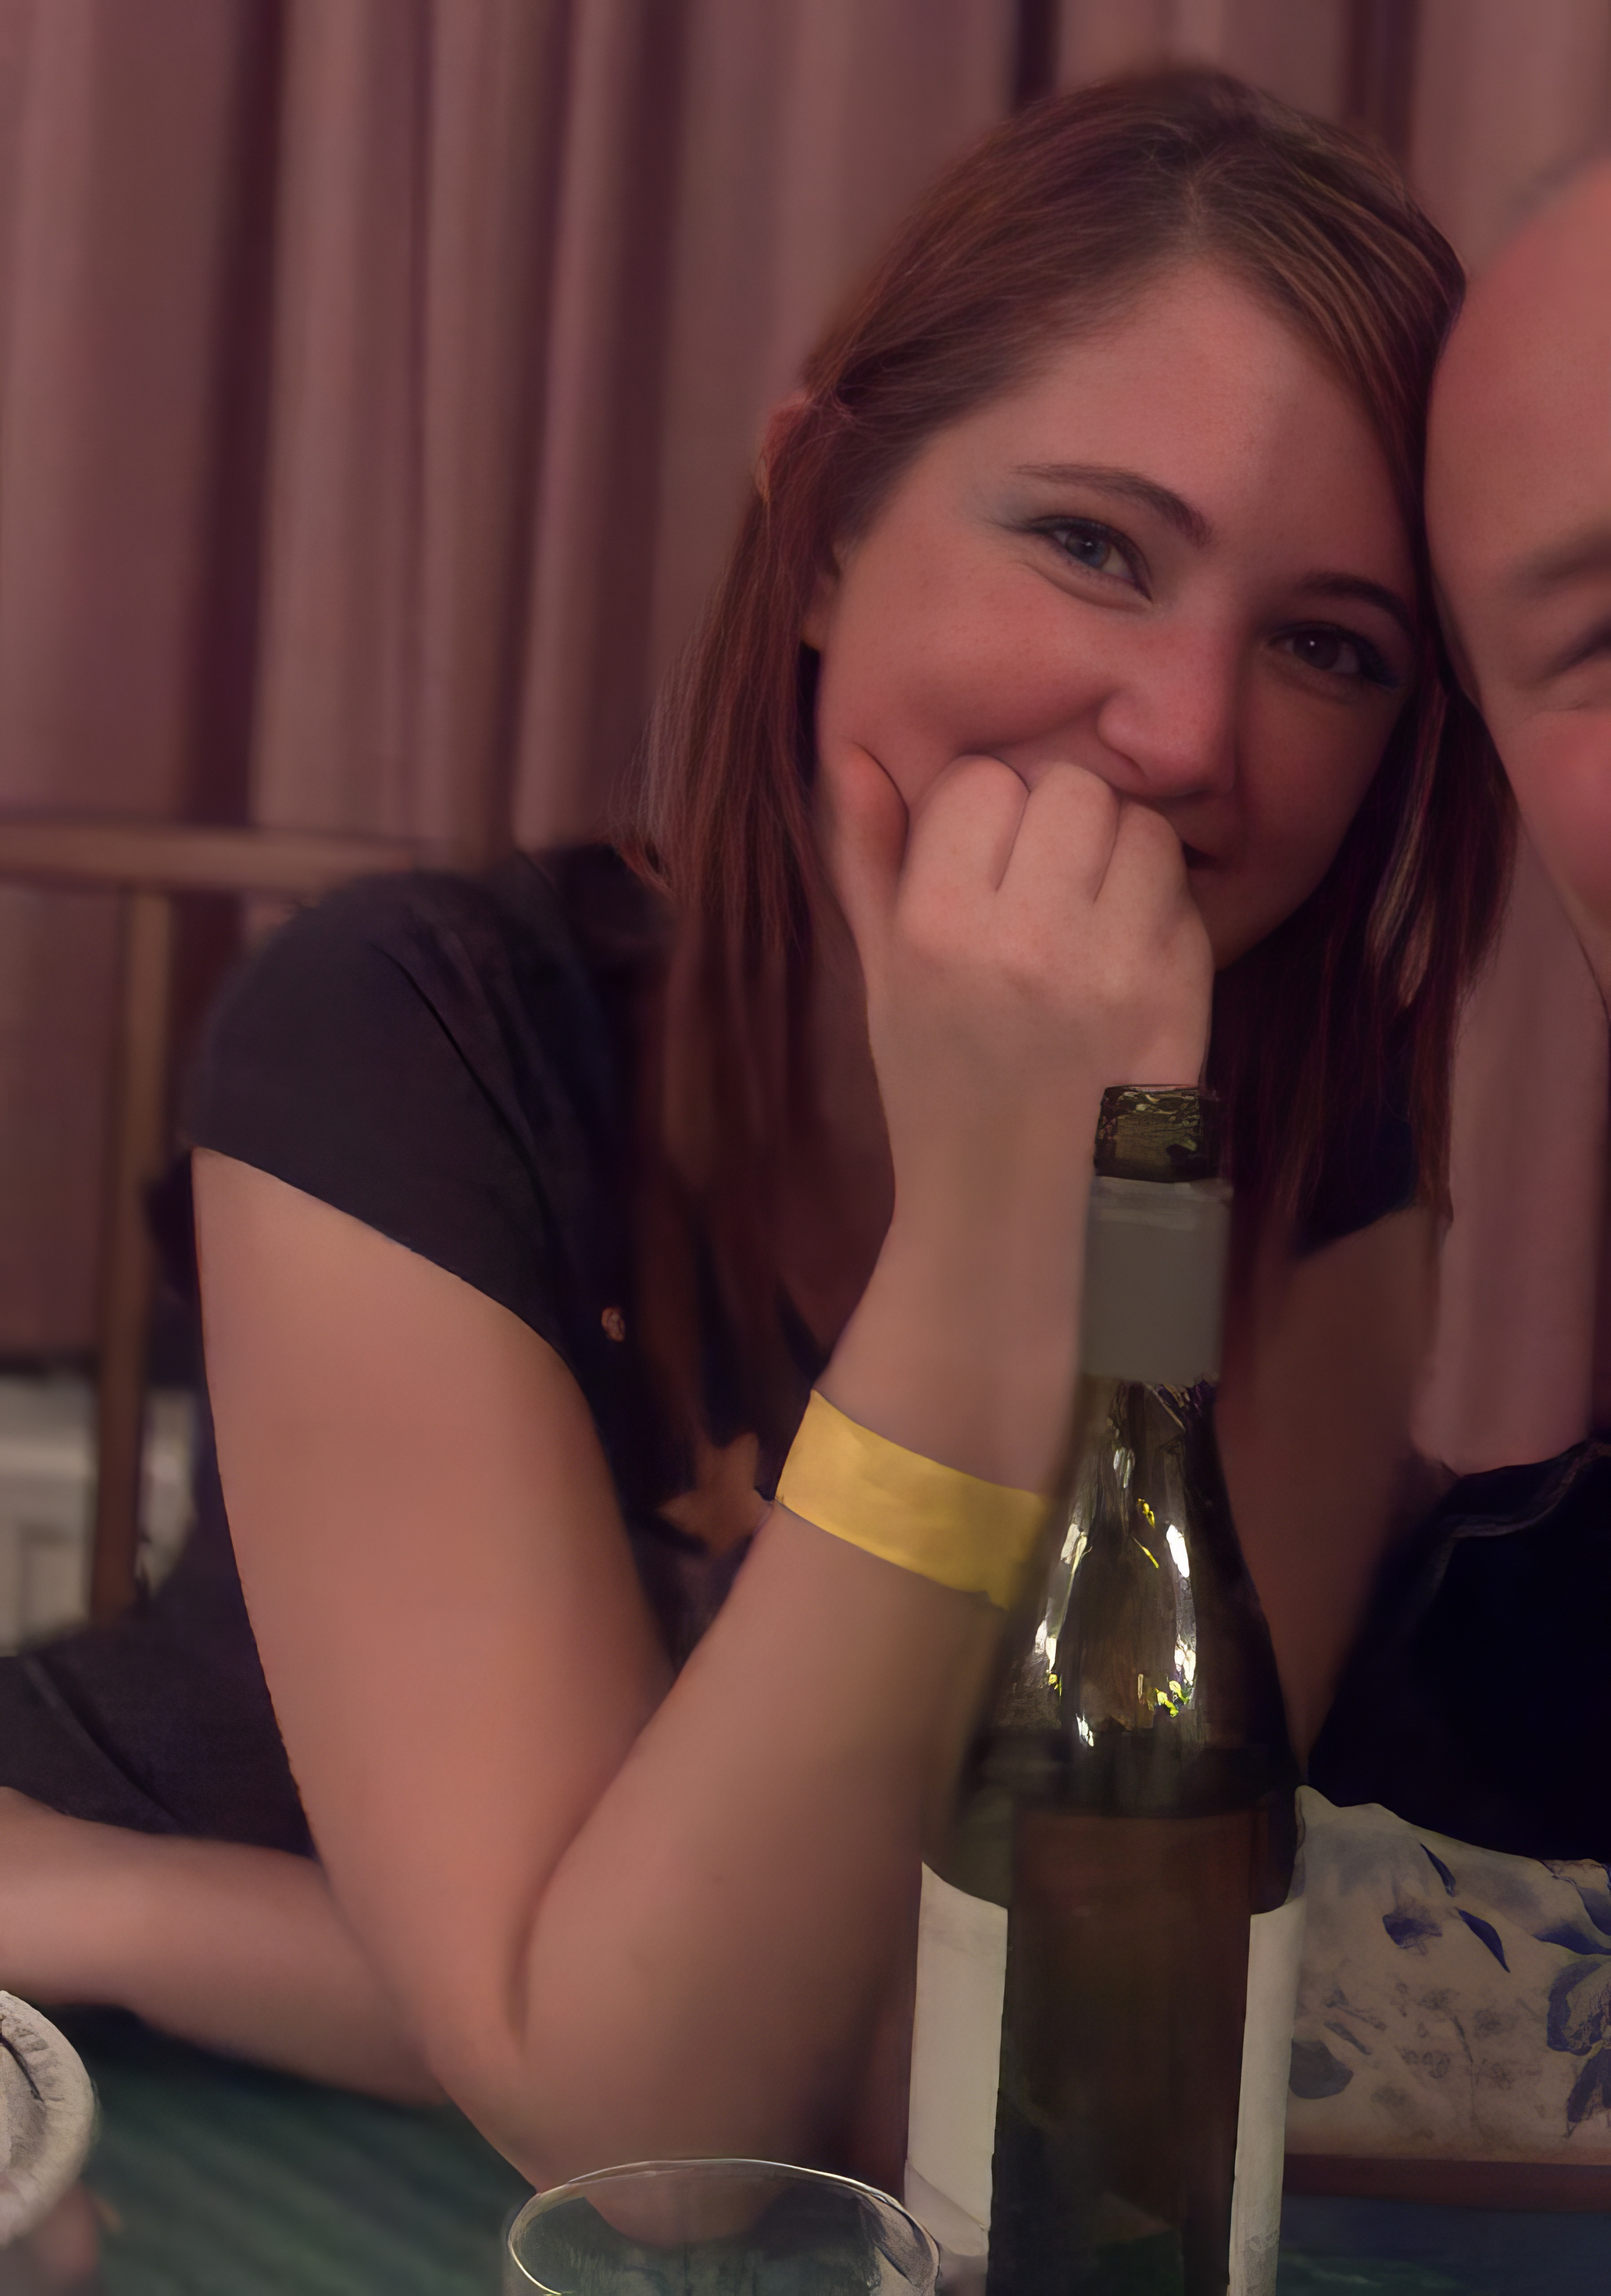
(1022, 949)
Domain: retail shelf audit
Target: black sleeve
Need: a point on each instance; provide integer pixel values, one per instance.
(423, 1053)
(1473, 1701)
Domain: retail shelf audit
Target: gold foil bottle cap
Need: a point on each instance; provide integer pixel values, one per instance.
(1159, 1132)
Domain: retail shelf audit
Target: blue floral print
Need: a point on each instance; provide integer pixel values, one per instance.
(1479, 2021)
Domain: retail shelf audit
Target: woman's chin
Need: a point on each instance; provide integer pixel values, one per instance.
(1230, 934)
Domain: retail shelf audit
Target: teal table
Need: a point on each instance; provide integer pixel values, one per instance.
(218, 2180)
(1398, 2246)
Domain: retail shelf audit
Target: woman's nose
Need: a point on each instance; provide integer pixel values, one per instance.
(1170, 721)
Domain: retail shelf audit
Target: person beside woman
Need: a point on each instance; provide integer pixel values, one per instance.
(1074, 677)
(1457, 1996)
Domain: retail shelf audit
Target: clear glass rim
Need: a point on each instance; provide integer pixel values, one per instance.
(710, 2165)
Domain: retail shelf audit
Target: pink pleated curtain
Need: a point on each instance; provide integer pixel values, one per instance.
(379, 380)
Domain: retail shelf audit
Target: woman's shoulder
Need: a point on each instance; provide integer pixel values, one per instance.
(548, 947)
(449, 1058)
(557, 927)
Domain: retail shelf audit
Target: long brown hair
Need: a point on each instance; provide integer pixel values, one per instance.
(1051, 225)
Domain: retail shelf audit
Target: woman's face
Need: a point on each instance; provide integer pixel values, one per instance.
(1174, 558)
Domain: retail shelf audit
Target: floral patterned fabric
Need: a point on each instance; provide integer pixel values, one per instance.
(1453, 2000)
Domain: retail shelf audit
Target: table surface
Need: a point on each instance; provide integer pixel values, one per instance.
(1411, 2249)
(219, 2176)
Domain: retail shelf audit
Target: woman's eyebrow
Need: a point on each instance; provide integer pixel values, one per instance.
(1368, 593)
(1126, 485)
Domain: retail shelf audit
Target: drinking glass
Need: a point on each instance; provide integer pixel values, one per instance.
(716, 2229)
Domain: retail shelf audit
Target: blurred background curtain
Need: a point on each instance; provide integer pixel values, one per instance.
(379, 381)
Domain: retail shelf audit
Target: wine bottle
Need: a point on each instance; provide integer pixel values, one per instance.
(1126, 1809)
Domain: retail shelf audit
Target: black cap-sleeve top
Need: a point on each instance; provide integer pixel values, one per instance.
(453, 1061)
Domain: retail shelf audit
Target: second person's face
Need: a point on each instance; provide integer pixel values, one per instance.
(1519, 497)
(1174, 558)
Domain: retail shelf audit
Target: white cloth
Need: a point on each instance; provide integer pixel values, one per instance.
(1452, 2001)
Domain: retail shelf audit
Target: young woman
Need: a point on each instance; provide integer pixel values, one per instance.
(1075, 646)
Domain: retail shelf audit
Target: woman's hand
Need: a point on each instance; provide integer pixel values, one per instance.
(1022, 950)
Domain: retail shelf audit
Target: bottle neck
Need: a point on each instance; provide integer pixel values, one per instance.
(1155, 1280)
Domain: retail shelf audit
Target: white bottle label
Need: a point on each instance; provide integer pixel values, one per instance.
(956, 2052)
(1275, 1947)
(956, 2055)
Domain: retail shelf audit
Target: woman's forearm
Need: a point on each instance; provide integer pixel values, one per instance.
(710, 1963)
(238, 1949)
(704, 1968)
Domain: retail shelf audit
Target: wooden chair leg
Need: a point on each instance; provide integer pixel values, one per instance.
(138, 1132)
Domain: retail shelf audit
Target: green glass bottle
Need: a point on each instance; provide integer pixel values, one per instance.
(1128, 1806)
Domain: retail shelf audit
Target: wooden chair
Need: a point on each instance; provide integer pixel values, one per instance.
(149, 867)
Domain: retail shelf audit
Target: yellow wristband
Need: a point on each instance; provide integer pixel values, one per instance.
(974, 1535)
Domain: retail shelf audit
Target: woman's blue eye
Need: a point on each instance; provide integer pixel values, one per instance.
(1338, 655)
(1092, 550)
(1092, 547)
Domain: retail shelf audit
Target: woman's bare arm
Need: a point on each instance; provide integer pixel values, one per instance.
(1314, 1408)
(235, 1948)
(244, 1950)
(622, 1917)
